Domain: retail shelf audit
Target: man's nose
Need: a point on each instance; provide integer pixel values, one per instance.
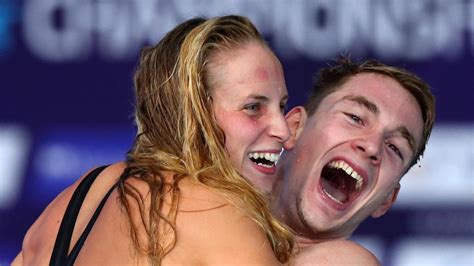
(370, 145)
(278, 128)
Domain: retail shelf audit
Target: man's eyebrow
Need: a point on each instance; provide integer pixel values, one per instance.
(372, 107)
(408, 136)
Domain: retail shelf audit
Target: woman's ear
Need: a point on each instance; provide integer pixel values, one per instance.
(296, 120)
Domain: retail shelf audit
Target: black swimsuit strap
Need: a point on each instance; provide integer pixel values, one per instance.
(77, 247)
(63, 239)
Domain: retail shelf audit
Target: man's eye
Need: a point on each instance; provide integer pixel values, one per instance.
(282, 107)
(355, 118)
(395, 149)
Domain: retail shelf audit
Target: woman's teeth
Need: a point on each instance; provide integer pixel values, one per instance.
(273, 157)
(265, 159)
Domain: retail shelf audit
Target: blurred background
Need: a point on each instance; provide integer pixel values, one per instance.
(66, 95)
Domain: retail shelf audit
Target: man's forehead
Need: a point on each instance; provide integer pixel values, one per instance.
(372, 90)
(379, 94)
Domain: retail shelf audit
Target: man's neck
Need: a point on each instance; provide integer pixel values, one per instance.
(304, 241)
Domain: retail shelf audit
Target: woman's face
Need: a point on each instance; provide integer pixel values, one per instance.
(249, 96)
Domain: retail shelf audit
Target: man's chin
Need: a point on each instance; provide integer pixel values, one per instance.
(324, 226)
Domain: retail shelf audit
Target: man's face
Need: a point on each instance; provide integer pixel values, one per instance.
(349, 158)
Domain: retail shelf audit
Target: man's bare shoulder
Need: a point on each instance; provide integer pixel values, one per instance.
(335, 252)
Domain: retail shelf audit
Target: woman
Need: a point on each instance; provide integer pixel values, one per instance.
(209, 104)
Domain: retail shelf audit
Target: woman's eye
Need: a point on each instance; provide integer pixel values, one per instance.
(253, 108)
(395, 149)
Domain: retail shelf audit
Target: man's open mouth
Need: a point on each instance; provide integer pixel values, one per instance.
(264, 159)
(340, 182)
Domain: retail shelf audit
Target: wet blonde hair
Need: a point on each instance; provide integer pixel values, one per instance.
(178, 133)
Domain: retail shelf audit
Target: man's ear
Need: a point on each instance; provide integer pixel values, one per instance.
(296, 120)
(387, 203)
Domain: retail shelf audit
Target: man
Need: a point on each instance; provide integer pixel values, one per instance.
(366, 126)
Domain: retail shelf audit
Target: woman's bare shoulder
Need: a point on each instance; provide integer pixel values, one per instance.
(335, 252)
(40, 237)
(220, 232)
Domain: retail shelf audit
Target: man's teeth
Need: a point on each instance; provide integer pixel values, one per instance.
(344, 166)
(332, 197)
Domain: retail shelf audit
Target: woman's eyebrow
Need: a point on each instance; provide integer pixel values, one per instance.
(258, 97)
